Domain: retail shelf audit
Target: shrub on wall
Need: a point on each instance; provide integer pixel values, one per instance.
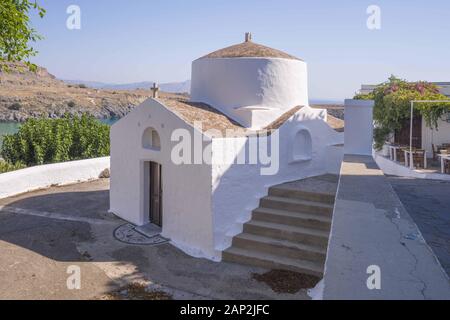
(42, 141)
(6, 166)
(393, 104)
(15, 106)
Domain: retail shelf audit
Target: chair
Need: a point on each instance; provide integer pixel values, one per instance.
(418, 158)
(400, 155)
(447, 166)
(435, 151)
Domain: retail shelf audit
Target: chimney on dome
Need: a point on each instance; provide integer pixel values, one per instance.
(248, 37)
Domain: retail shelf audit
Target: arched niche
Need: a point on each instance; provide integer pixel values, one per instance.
(301, 145)
(151, 140)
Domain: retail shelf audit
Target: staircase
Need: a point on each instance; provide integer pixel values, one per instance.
(290, 229)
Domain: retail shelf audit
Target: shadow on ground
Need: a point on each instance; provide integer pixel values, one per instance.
(44, 232)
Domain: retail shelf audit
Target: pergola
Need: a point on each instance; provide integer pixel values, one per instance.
(411, 164)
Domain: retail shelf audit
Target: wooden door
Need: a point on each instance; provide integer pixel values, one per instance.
(402, 136)
(155, 194)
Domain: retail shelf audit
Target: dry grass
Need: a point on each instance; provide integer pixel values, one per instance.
(335, 123)
(136, 291)
(249, 49)
(211, 118)
(283, 281)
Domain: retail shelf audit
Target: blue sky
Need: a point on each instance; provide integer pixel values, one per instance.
(137, 40)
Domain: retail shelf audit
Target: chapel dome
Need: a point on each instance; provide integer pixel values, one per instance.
(249, 49)
(251, 83)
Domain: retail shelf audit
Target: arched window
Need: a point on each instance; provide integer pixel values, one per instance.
(302, 145)
(150, 139)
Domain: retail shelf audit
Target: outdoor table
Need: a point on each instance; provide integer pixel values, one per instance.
(393, 151)
(443, 158)
(408, 155)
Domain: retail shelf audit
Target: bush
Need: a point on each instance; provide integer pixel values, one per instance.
(82, 86)
(42, 141)
(15, 106)
(6, 166)
(71, 104)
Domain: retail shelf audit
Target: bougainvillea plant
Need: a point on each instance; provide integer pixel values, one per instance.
(393, 104)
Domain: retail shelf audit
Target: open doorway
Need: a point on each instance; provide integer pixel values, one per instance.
(155, 193)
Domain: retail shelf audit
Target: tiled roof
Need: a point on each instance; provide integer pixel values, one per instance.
(249, 49)
(211, 118)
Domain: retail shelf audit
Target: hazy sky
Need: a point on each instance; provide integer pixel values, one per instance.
(124, 41)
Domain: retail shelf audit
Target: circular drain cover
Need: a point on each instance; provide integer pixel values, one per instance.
(127, 233)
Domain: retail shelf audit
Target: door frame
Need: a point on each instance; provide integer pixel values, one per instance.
(146, 189)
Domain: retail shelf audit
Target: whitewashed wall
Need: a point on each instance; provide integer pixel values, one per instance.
(358, 127)
(229, 83)
(238, 188)
(187, 218)
(438, 137)
(38, 177)
(399, 169)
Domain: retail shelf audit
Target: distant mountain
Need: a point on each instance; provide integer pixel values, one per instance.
(171, 87)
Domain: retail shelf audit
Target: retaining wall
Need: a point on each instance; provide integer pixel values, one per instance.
(38, 177)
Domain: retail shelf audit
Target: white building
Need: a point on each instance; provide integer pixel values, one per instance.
(199, 204)
(424, 136)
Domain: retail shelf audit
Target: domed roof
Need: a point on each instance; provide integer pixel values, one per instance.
(249, 49)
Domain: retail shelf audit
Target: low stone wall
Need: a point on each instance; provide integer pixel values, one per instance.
(373, 235)
(396, 169)
(38, 177)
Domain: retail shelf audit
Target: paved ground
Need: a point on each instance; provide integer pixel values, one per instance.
(428, 202)
(373, 234)
(42, 233)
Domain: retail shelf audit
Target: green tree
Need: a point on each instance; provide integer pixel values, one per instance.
(393, 102)
(16, 32)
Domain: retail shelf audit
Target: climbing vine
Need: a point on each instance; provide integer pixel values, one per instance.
(393, 102)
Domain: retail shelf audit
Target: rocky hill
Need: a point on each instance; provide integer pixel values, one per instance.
(25, 94)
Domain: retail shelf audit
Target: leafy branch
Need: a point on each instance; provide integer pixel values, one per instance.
(16, 32)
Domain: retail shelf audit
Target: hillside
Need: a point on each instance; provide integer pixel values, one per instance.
(25, 94)
(171, 87)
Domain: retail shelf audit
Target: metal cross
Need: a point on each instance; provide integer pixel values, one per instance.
(155, 90)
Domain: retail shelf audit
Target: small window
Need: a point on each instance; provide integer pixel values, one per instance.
(302, 146)
(150, 139)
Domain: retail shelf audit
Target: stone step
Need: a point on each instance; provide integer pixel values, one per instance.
(279, 247)
(271, 261)
(301, 194)
(285, 232)
(292, 218)
(296, 205)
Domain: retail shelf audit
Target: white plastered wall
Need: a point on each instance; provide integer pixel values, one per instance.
(263, 88)
(43, 176)
(186, 199)
(436, 137)
(358, 126)
(237, 188)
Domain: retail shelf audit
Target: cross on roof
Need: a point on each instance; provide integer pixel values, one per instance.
(155, 90)
(248, 37)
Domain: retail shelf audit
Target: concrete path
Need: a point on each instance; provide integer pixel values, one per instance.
(376, 250)
(428, 203)
(42, 233)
